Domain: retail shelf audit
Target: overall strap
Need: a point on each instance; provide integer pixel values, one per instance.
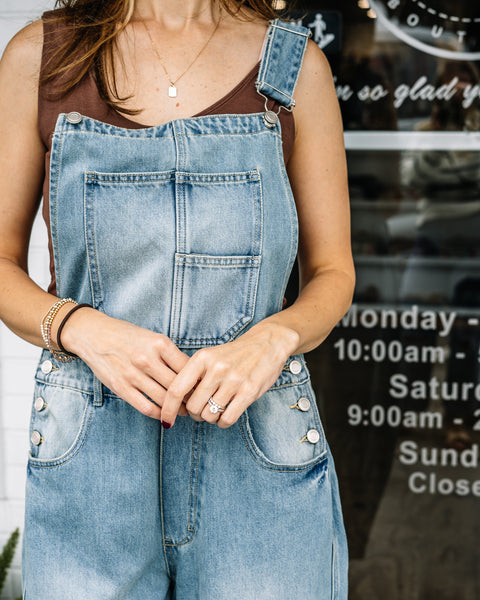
(282, 61)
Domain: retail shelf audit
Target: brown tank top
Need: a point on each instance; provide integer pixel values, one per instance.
(85, 99)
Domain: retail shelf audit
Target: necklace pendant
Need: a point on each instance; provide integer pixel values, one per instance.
(172, 91)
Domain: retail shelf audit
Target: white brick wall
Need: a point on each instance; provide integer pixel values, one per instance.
(17, 358)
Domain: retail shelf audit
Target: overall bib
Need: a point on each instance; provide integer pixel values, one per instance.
(189, 229)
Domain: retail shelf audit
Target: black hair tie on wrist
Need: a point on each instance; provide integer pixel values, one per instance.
(62, 324)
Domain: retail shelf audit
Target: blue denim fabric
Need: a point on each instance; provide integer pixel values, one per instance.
(189, 229)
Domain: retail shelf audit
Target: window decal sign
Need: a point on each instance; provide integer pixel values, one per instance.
(451, 33)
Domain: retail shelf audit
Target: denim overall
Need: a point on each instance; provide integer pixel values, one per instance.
(188, 228)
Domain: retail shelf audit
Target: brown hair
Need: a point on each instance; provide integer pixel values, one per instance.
(93, 27)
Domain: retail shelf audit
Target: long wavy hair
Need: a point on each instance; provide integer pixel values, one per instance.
(92, 28)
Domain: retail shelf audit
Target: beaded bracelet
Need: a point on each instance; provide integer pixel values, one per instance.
(60, 328)
(46, 329)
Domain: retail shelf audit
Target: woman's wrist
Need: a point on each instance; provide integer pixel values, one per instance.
(62, 325)
(50, 321)
(72, 330)
(277, 335)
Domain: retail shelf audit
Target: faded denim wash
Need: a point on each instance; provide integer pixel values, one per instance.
(189, 229)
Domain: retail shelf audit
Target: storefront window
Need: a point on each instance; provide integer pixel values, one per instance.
(398, 379)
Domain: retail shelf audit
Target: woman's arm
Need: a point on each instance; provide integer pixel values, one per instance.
(130, 360)
(318, 176)
(239, 372)
(22, 302)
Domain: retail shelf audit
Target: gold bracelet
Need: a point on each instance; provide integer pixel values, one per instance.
(46, 329)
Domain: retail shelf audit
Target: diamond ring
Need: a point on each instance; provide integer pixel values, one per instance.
(214, 407)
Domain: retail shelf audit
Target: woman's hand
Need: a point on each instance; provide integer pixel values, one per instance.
(132, 361)
(235, 374)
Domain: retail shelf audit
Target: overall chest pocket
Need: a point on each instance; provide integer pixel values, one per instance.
(176, 252)
(218, 258)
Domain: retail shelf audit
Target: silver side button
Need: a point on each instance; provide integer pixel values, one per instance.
(36, 438)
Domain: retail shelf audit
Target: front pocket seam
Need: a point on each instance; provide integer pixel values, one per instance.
(74, 449)
(63, 385)
(263, 461)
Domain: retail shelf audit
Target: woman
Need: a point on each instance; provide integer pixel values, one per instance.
(180, 236)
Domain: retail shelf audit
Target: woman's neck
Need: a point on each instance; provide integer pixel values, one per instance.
(177, 14)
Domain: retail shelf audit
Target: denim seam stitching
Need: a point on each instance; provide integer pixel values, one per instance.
(258, 241)
(86, 191)
(293, 213)
(302, 49)
(226, 177)
(290, 30)
(103, 128)
(56, 157)
(66, 386)
(266, 58)
(194, 504)
(99, 177)
(192, 491)
(93, 266)
(334, 567)
(187, 538)
(262, 130)
(162, 514)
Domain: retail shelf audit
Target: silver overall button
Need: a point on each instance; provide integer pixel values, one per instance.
(36, 438)
(295, 367)
(40, 404)
(74, 117)
(313, 436)
(303, 404)
(47, 367)
(270, 118)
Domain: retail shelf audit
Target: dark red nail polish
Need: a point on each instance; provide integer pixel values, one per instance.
(166, 424)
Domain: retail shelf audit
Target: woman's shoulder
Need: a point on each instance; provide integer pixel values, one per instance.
(22, 56)
(315, 88)
(19, 72)
(316, 67)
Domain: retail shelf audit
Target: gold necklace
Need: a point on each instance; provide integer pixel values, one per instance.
(172, 90)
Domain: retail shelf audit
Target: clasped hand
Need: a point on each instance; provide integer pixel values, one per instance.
(147, 370)
(233, 375)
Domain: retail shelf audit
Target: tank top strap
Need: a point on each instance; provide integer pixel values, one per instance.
(281, 61)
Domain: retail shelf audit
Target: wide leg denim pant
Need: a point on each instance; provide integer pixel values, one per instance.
(118, 508)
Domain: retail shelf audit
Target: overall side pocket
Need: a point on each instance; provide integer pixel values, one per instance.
(283, 430)
(60, 420)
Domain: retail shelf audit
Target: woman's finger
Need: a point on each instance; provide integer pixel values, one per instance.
(147, 407)
(219, 392)
(247, 393)
(171, 354)
(160, 373)
(199, 396)
(151, 388)
(183, 383)
(213, 412)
